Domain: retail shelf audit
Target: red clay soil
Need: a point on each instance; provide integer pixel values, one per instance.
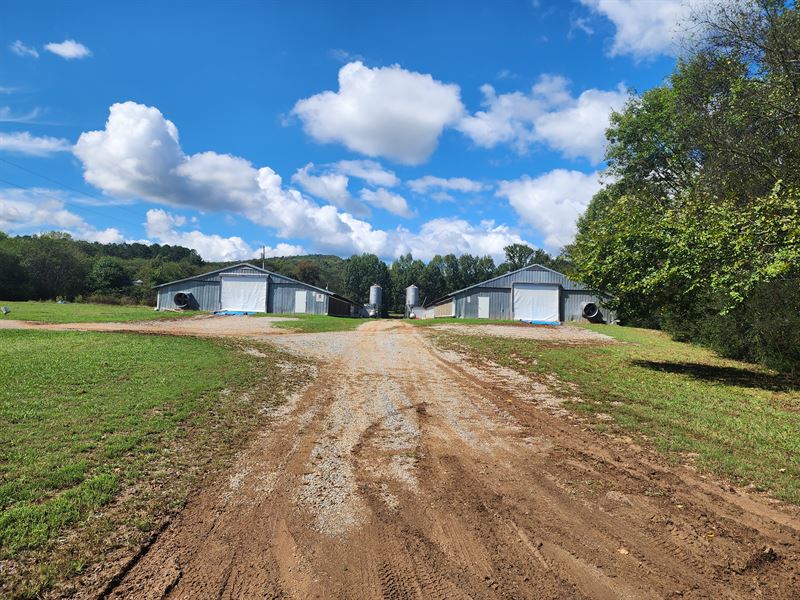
(402, 472)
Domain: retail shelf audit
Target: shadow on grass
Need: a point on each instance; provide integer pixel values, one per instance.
(725, 375)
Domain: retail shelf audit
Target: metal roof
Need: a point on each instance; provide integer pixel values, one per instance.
(244, 264)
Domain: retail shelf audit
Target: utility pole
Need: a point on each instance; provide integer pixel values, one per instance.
(263, 255)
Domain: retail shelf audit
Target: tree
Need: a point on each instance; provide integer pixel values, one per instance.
(55, 267)
(404, 272)
(361, 272)
(432, 284)
(307, 272)
(108, 276)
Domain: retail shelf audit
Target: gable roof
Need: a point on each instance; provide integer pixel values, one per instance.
(483, 283)
(255, 268)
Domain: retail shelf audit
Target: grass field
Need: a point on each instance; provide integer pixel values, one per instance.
(87, 417)
(733, 418)
(52, 312)
(315, 323)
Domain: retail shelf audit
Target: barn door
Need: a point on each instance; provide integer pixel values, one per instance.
(300, 301)
(243, 293)
(483, 307)
(536, 302)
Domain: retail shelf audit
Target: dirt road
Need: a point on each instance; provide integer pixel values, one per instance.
(401, 472)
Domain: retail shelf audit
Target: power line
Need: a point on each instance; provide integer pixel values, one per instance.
(48, 197)
(66, 186)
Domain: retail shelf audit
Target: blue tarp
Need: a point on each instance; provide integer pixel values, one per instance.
(542, 322)
(232, 313)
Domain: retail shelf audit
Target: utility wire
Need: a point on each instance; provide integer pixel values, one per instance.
(48, 197)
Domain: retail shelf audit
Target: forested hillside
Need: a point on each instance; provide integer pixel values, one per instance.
(698, 228)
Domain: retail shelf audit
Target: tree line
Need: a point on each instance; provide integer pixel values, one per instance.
(697, 229)
(54, 265)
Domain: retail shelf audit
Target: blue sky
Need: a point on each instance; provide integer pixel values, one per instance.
(317, 126)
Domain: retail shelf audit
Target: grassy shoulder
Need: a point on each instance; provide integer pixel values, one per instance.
(53, 312)
(315, 323)
(101, 435)
(732, 418)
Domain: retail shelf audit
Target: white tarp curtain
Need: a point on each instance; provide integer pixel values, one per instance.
(536, 302)
(242, 292)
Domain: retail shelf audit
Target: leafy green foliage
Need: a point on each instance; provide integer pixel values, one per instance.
(704, 209)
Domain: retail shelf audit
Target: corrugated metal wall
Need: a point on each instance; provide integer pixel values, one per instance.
(445, 309)
(205, 290)
(282, 297)
(499, 303)
(205, 294)
(572, 297)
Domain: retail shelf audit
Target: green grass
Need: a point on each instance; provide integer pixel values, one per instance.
(742, 421)
(85, 416)
(315, 323)
(52, 312)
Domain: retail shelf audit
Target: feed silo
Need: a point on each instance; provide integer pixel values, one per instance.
(412, 298)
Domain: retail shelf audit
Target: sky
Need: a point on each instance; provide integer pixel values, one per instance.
(317, 127)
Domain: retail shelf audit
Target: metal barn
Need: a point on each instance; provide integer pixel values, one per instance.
(533, 293)
(248, 288)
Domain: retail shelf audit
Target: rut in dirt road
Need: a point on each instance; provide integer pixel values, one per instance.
(402, 472)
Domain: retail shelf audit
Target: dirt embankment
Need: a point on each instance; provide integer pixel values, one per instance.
(403, 473)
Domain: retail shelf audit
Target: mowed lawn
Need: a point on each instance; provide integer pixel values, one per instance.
(731, 418)
(86, 416)
(315, 323)
(52, 312)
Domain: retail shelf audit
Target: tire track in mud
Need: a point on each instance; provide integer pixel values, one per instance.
(405, 472)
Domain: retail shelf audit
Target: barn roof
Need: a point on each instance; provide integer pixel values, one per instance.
(255, 268)
(509, 273)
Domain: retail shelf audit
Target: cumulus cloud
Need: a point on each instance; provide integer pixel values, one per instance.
(389, 201)
(385, 111)
(163, 227)
(644, 29)
(38, 210)
(330, 186)
(552, 202)
(138, 155)
(549, 114)
(21, 49)
(456, 184)
(446, 235)
(23, 142)
(368, 170)
(68, 49)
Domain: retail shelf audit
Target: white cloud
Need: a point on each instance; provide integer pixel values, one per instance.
(644, 29)
(383, 198)
(330, 186)
(368, 170)
(578, 128)
(552, 202)
(8, 116)
(457, 236)
(21, 49)
(68, 49)
(456, 184)
(138, 155)
(162, 226)
(549, 114)
(23, 142)
(38, 210)
(386, 111)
